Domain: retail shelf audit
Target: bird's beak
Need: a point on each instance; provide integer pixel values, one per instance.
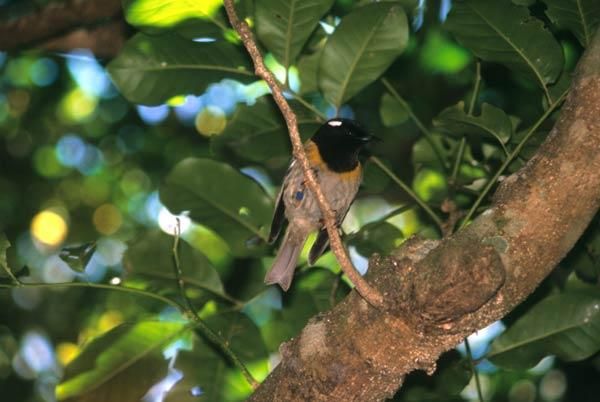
(374, 138)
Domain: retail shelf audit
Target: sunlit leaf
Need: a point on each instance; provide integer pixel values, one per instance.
(210, 191)
(258, 133)
(77, 257)
(376, 237)
(208, 373)
(491, 123)
(581, 17)
(499, 31)
(361, 48)
(284, 26)
(566, 325)
(154, 68)
(151, 259)
(107, 357)
(167, 13)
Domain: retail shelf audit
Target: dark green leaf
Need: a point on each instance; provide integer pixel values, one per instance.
(210, 191)
(492, 123)
(376, 237)
(581, 17)
(105, 358)
(151, 258)
(4, 245)
(153, 68)
(77, 257)
(499, 31)
(258, 133)
(284, 26)
(566, 325)
(391, 111)
(308, 67)
(205, 369)
(361, 48)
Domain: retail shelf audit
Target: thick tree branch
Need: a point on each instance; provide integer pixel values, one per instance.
(370, 294)
(437, 293)
(55, 21)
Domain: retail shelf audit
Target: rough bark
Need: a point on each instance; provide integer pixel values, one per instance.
(67, 25)
(437, 293)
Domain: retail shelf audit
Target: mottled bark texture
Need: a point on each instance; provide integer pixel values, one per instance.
(97, 25)
(439, 292)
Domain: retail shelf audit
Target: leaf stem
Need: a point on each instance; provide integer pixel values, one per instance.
(190, 312)
(426, 133)
(475, 88)
(473, 370)
(510, 159)
(408, 190)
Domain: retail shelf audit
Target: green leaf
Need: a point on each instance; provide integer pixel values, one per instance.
(153, 68)
(376, 237)
(169, 13)
(284, 26)
(106, 357)
(211, 192)
(391, 111)
(308, 67)
(77, 257)
(151, 258)
(258, 133)
(361, 48)
(581, 17)
(492, 123)
(566, 325)
(4, 245)
(206, 368)
(499, 31)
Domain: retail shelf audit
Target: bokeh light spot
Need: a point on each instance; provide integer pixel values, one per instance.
(77, 106)
(49, 228)
(211, 121)
(43, 72)
(153, 115)
(430, 185)
(109, 320)
(107, 219)
(441, 55)
(70, 150)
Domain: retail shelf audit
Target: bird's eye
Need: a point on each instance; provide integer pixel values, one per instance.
(334, 123)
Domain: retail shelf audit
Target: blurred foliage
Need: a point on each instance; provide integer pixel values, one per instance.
(101, 302)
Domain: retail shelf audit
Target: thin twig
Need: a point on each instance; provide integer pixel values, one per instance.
(370, 294)
(123, 289)
(191, 314)
(409, 191)
(475, 88)
(473, 370)
(424, 130)
(510, 159)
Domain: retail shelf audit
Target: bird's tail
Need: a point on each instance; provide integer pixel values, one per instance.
(282, 270)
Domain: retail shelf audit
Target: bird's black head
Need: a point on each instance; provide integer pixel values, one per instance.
(339, 142)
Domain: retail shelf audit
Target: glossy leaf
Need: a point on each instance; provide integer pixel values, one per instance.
(284, 26)
(77, 257)
(499, 31)
(106, 357)
(566, 325)
(168, 13)
(492, 123)
(376, 237)
(153, 68)
(258, 133)
(205, 370)
(361, 48)
(211, 192)
(581, 17)
(151, 259)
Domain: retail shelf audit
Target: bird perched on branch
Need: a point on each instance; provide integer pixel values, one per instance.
(333, 156)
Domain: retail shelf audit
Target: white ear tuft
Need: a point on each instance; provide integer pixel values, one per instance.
(334, 123)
